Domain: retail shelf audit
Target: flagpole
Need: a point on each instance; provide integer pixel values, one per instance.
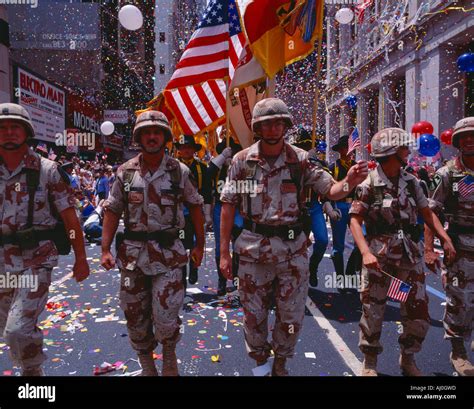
(316, 92)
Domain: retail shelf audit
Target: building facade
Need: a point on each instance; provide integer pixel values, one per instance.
(400, 62)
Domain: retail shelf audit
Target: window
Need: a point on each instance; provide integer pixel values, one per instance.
(162, 37)
(162, 68)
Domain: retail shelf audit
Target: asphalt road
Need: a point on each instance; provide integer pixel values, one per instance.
(84, 328)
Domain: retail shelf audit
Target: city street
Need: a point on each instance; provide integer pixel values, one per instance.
(85, 327)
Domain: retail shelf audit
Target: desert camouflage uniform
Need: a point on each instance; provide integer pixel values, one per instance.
(151, 291)
(459, 314)
(271, 267)
(397, 254)
(21, 307)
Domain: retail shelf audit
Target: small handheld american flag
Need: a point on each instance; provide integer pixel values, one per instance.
(354, 141)
(466, 186)
(398, 290)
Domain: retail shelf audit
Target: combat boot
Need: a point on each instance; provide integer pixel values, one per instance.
(278, 368)
(33, 371)
(148, 364)
(193, 273)
(459, 358)
(408, 365)
(369, 366)
(170, 363)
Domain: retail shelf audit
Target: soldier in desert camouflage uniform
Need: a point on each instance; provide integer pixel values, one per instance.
(389, 201)
(151, 189)
(27, 236)
(453, 195)
(273, 246)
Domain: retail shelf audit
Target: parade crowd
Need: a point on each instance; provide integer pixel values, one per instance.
(262, 204)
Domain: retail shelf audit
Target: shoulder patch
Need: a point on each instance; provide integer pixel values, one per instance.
(435, 182)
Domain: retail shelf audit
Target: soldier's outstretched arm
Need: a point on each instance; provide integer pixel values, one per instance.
(73, 227)
(432, 221)
(110, 225)
(197, 219)
(368, 259)
(356, 174)
(227, 222)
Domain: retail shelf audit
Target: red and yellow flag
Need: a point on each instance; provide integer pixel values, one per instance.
(281, 32)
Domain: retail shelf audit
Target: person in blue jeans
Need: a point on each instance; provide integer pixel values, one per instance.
(339, 213)
(217, 173)
(303, 140)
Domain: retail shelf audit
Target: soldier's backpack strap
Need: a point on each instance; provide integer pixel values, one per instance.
(296, 174)
(250, 170)
(32, 182)
(377, 191)
(453, 199)
(175, 177)
(128, 175)
(411, 188)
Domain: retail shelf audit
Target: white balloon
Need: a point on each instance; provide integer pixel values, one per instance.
(107, 128)
(130, 17)
(345, 15)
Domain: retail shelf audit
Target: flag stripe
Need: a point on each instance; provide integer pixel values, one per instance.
(206, 103)
(220, 96)
(192, 108)
(180, 110)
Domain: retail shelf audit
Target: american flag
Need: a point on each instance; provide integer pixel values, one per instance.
(42, 147)
(360, 8)
(398, 290)
(354, 140)
(466, 186)
(196, 93)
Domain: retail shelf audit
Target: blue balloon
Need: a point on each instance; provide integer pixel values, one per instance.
(466, 62)
(352, 101)
(429, 145)
(322, 146)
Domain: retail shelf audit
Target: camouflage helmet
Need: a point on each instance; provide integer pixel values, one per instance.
(271, 108)
(463, 126)
(387, 142)
(152, 118)
(18, 113)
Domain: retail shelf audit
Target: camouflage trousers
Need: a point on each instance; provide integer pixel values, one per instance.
(151, 305)
(19, 312)
(415, 318)
(459, 314)
(262, 285)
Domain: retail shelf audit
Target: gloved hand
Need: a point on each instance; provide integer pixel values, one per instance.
(334, 214)
(221, 159)
(208, 215)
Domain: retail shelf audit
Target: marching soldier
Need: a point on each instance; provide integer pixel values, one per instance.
(453, 196)
(267, 183)
(389, 201)
(150, 190)
(37, 224)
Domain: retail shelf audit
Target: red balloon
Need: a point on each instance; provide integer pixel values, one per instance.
(423, 127)
(447, 137)
(369, 148)
(372, 165)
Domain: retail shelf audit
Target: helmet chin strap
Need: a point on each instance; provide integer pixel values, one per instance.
(402, 161)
